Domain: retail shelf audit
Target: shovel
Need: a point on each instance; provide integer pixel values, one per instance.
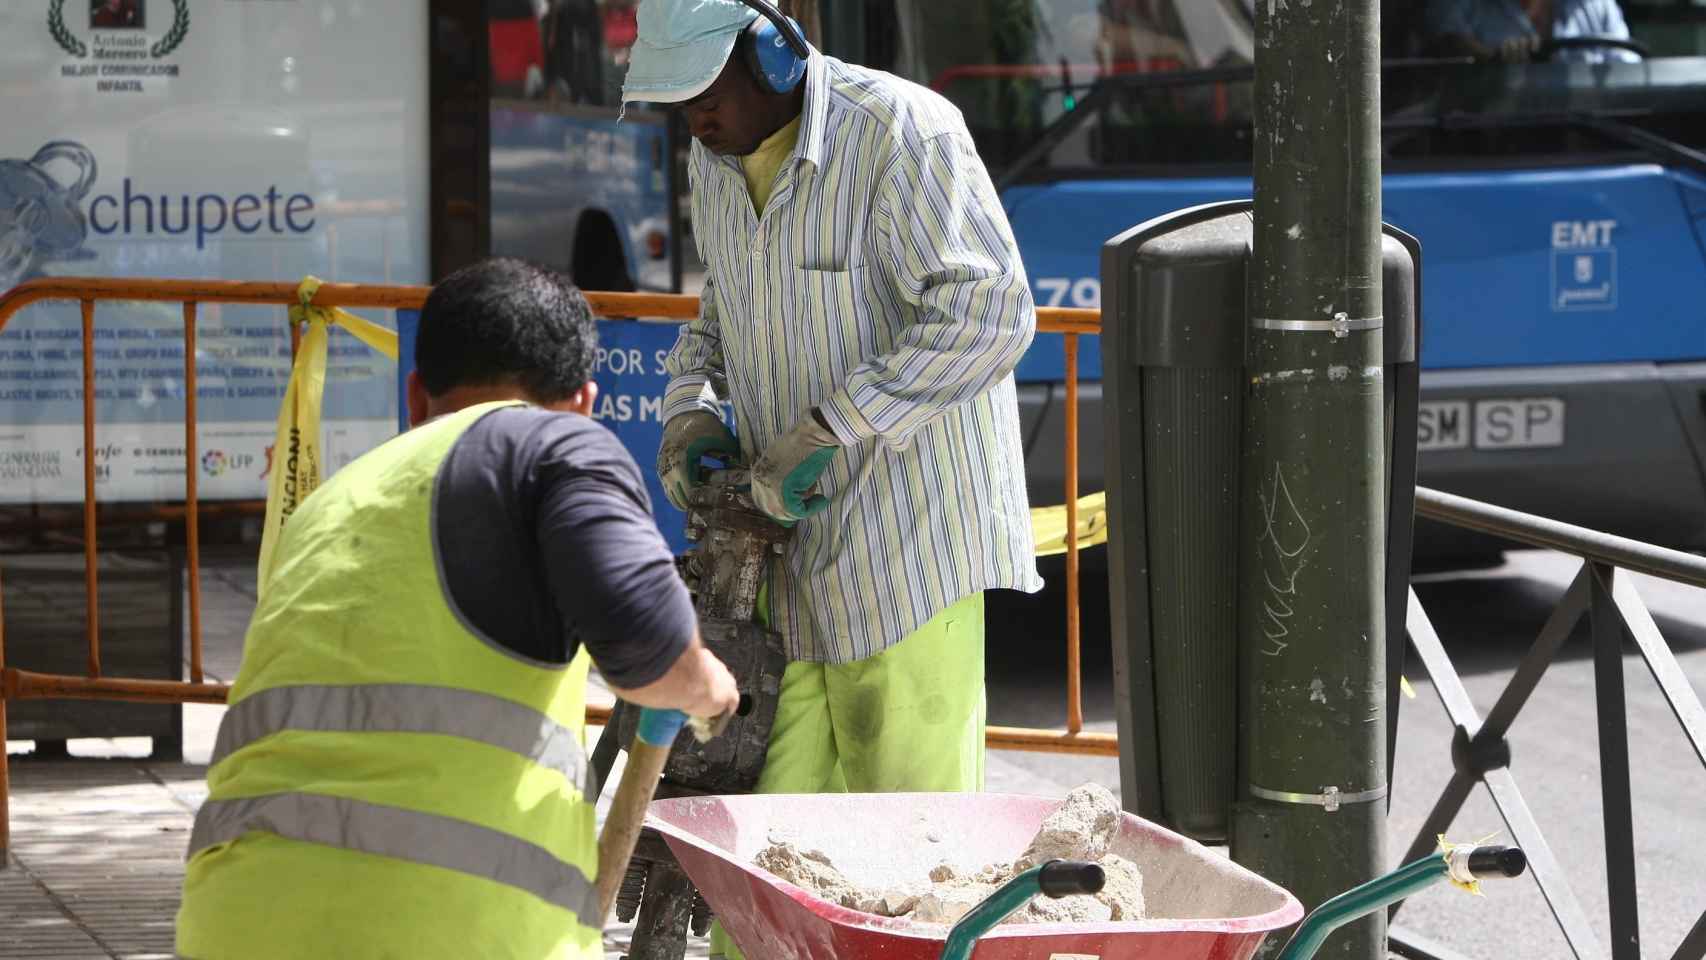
(646, 758)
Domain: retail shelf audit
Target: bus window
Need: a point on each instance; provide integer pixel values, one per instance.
(575, 63)
(517, 49)
(1571, 98)
(566, 51)
(1187, 123)
(1165, 86)
(1669, 28)
(1017, 67)
(574, 183)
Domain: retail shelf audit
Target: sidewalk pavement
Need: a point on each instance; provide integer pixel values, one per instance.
(96, 864)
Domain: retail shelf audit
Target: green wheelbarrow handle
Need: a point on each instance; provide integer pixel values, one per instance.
(1056, 878)
(1462, 864)
(1060, 878)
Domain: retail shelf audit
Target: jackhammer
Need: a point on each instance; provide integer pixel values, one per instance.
(733, 544)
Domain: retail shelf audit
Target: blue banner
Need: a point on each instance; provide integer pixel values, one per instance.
(408, 324)
(631, 382)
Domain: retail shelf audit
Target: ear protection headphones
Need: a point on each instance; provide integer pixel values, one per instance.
(773, 49)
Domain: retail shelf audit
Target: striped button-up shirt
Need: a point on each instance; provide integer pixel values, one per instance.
(882, 285)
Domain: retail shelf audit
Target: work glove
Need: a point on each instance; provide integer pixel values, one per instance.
(784, 477)
(686, 438)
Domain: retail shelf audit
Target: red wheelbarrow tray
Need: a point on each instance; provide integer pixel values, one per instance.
(1205, 907)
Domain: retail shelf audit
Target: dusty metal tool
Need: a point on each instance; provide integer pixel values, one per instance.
(733, 544)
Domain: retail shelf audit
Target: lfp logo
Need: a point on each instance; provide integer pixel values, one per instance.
(43, 218)
(218, 462)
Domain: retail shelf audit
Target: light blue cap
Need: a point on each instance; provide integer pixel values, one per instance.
(682, 47)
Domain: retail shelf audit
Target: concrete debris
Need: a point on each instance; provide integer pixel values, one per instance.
(811, 870)
(1082, 828)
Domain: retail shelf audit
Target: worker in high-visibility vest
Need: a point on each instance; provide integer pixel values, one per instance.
(401, 771)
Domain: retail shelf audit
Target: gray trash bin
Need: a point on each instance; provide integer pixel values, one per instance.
(1174, 316)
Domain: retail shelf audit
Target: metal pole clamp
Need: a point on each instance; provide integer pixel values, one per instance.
(1330, 798)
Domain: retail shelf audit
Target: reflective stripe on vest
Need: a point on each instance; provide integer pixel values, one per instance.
(409, 835)
(407, 708)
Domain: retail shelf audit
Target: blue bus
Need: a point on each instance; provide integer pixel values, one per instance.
(1560, 203)
(533, 156)
(564, 179)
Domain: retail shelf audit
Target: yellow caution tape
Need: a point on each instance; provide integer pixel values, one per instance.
(296, 445)
(1048, 525)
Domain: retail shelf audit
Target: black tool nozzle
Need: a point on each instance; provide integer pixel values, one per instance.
(1064, 878)
(1497, 861)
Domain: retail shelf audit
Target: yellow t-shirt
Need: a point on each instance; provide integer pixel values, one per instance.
(760, 165)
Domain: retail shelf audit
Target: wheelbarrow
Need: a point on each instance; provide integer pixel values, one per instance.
(1206, 907)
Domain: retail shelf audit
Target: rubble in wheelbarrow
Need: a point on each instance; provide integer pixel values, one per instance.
(812, 870)
(1082, 828)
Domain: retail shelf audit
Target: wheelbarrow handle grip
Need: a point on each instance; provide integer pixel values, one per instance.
(1497, 862)
(1065, 878)
(1383, 891)
(1056, 878)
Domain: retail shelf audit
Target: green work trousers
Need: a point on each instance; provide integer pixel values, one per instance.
(909, 719)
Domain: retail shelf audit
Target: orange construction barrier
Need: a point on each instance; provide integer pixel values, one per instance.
(18, 684)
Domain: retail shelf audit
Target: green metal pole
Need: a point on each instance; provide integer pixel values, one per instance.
(1312, 754)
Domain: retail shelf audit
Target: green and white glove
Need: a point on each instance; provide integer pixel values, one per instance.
(686, 438)
(783, 478)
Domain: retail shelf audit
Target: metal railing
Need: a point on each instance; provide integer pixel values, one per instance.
(1480, 752)
(16, 684)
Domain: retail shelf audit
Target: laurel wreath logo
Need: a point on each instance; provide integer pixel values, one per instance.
(56, 25)
(70, 44)
(174, 36)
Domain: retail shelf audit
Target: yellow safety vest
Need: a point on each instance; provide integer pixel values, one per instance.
(388, 783)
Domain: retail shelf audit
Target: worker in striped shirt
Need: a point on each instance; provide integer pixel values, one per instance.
(864, 309)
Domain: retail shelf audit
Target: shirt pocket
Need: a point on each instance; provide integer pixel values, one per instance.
(834, 328)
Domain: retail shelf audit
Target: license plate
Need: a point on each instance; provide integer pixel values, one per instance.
(1513, 423)
(1442, 425)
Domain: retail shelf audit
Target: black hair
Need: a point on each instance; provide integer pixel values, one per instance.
(504, 321)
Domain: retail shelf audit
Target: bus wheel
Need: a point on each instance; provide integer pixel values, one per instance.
(599, 263)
